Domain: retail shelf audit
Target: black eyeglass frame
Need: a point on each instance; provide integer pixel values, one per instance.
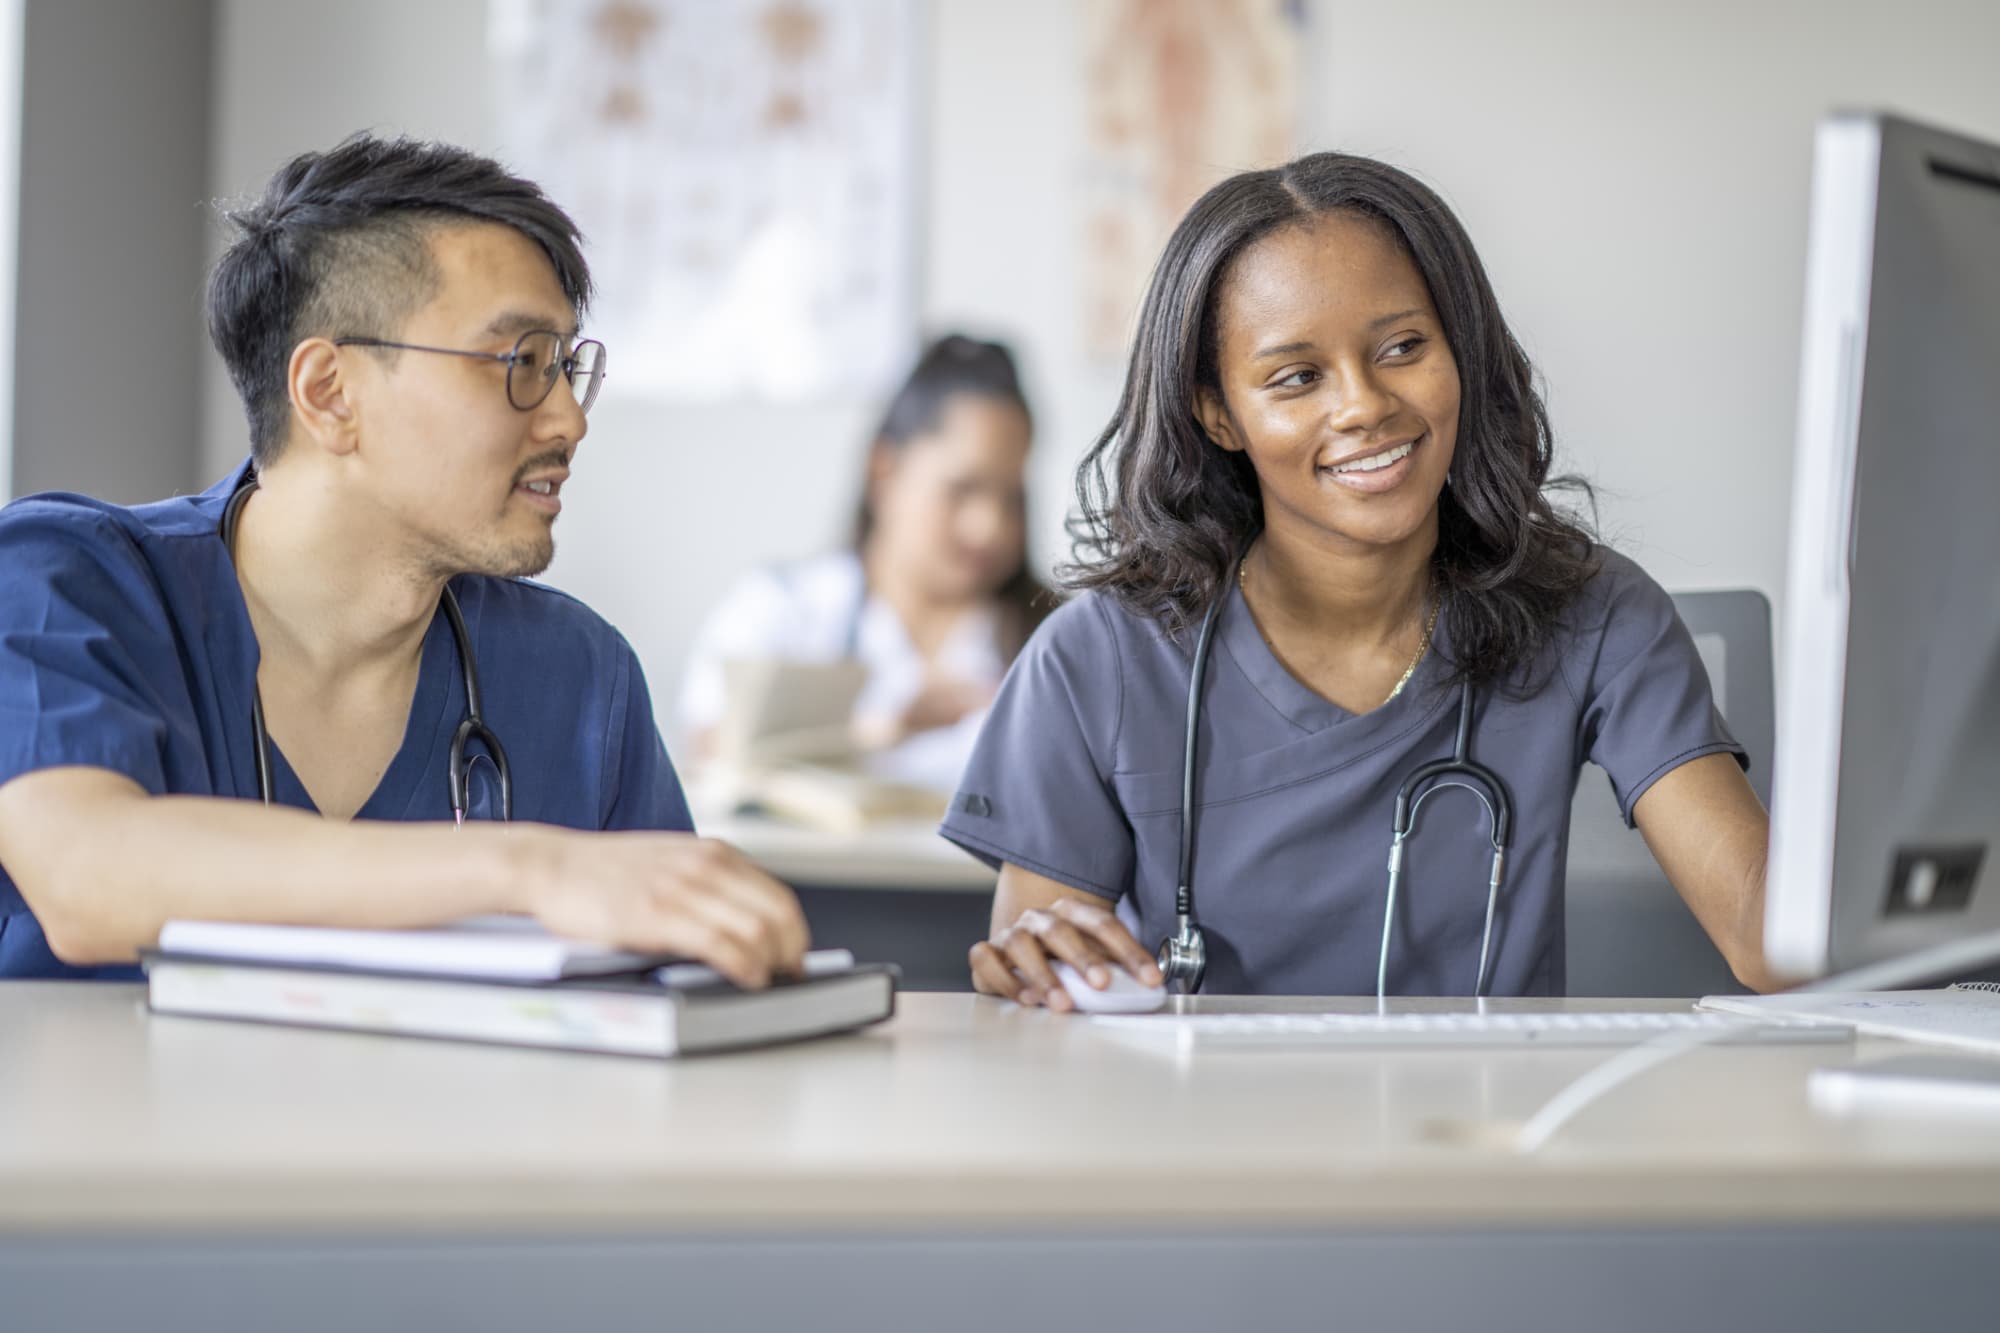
(513, 359)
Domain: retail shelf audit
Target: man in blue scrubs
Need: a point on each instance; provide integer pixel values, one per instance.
(401, 321)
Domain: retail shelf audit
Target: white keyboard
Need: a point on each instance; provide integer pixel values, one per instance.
(1330, 1031)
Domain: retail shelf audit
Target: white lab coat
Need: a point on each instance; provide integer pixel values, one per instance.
(816, 611)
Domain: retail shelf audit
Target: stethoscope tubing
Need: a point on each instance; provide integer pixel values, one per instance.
(1183, 955)
(473, 727)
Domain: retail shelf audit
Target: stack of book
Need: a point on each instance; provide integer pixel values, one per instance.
(499, 979)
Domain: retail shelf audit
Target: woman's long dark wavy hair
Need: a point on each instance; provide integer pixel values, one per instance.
(1164, 512)
(955, 365)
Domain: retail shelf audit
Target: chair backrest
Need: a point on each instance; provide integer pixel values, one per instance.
(1628, 932)
(1732, 629)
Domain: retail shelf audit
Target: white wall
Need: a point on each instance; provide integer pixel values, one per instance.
(1635, 176)
(1636, 179)
(292, 75)
(668, 502)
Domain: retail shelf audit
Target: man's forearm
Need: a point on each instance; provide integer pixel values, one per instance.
(103, 864)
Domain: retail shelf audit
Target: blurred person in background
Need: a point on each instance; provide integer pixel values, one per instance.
(935, 596)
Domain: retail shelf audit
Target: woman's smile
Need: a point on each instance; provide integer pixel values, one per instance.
(1376, 471)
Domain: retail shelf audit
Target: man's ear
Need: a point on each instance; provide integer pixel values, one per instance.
(323, 407)
(1217, 422)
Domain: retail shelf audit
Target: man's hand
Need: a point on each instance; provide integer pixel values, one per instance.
(672, 893)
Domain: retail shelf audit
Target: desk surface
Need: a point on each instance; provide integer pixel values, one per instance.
(200, 1177)
(962, 1111)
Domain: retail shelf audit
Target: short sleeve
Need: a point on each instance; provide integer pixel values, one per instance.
(1037, 791)
(752, 621)
(1647, 705)
(644, 791)
(85, 648)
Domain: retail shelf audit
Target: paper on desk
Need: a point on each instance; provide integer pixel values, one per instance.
(508, 948)
(819, 963)
(1968, 1019)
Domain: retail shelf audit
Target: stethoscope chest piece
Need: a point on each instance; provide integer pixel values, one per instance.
(1183, 957)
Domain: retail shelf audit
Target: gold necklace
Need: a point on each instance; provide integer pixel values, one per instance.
(1423, 645)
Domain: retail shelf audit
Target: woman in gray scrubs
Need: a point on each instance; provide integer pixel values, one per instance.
(1329, 438)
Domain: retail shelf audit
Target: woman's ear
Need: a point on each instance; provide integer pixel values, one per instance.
(322, 407)
(1217, 422)
(883, 459)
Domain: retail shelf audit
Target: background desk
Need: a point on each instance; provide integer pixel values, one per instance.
(897, 893)
(970, 1165)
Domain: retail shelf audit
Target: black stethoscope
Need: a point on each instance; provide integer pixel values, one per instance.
(472, 728)
(1183, 955)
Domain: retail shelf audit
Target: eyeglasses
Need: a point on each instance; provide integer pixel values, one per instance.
(532, 367)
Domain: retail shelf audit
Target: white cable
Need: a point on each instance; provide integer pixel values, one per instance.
(1629, 1063)
(1924, 965)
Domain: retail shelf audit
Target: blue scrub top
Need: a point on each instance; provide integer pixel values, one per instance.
(125, 644)
(1077, 777)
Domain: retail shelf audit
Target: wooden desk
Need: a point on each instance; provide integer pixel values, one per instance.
(969, 1165)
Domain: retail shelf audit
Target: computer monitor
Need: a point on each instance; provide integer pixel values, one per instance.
(1886, 785)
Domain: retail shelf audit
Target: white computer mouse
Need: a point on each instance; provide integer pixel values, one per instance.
(1125, 995)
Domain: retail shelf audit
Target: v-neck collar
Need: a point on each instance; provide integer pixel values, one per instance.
(414, 784)
(1299, 704)
(405, 785)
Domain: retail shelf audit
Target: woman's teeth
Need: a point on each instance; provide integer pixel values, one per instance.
(1376, 461)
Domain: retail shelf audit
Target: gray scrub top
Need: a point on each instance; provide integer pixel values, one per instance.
(1077, 776)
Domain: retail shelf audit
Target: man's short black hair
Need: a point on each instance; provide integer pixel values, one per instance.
(339, 246)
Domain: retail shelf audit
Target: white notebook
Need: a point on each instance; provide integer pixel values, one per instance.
(508, 948)
(1966, 1016)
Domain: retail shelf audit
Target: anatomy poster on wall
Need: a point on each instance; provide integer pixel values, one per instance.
(1178, 95)
(744, 172)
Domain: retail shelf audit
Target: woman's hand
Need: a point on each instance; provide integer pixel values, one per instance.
(1038, 920)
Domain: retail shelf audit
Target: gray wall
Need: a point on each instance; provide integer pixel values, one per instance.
(109, 353)
(11, 22)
